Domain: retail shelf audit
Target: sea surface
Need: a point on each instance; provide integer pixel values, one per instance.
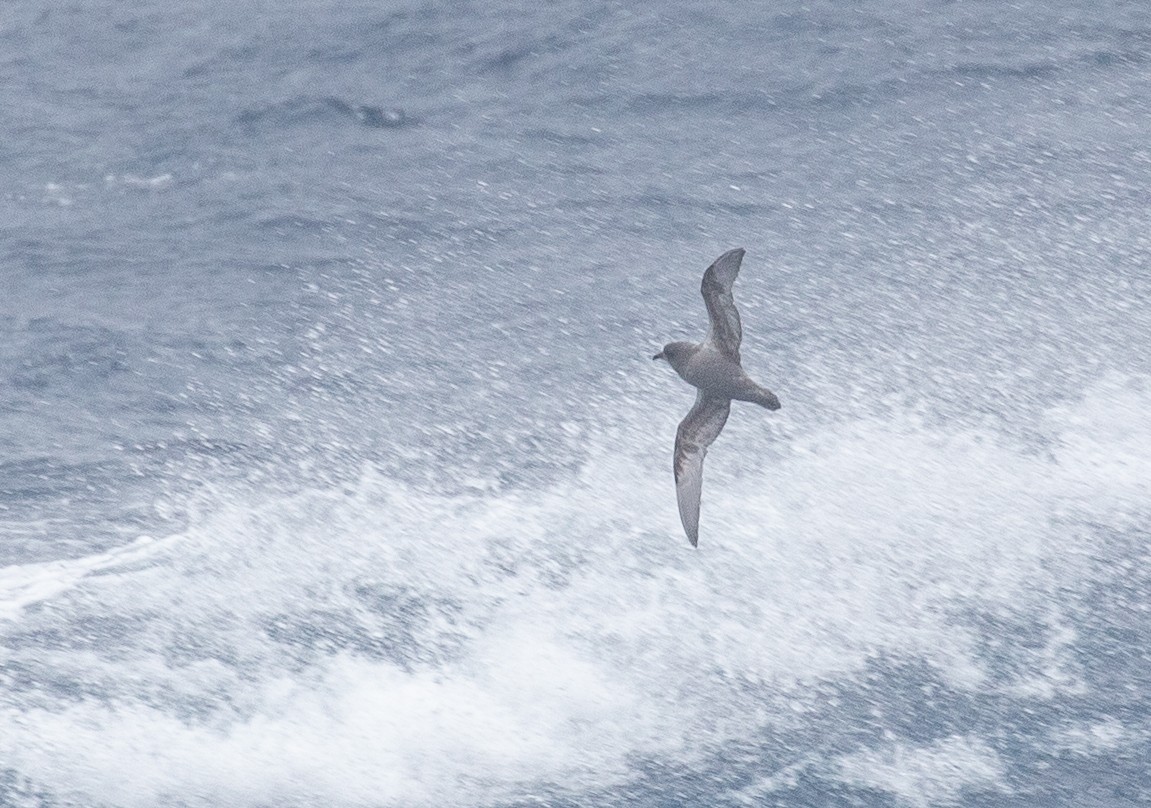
(335, 470)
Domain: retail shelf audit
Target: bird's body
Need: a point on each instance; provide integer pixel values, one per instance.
(716, 375)
(713, 368)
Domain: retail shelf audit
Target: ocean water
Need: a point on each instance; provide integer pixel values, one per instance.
(335, 470)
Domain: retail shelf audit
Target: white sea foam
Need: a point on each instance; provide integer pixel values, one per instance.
(522, 638)
(1088, 739)
(25, 584)
(932, 775)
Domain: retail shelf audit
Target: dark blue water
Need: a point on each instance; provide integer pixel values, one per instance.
(334, 469)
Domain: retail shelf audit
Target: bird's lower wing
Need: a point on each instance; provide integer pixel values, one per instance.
(696, 432)
(726, 332)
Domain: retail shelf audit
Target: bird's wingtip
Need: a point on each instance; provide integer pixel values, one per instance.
(726, 267)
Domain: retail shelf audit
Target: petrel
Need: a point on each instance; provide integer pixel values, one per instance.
(713, 368)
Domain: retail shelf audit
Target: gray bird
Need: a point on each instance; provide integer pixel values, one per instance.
(713, 368)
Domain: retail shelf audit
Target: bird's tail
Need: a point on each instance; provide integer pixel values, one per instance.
(766, 398)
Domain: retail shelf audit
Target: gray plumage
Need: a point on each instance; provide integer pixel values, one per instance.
(713, 368)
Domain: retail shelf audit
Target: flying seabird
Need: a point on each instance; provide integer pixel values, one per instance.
(713, 368)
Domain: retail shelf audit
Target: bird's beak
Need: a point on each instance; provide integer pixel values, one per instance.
(658, 356)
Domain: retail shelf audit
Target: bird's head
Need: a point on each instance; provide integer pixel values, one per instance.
(675, 353)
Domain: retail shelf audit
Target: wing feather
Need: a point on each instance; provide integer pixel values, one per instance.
(726, 332)
(696, 432)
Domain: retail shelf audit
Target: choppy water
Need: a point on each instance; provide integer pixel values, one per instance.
(334, 469)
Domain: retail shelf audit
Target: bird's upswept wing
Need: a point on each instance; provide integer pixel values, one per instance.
(726, 332)
(696, 432)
